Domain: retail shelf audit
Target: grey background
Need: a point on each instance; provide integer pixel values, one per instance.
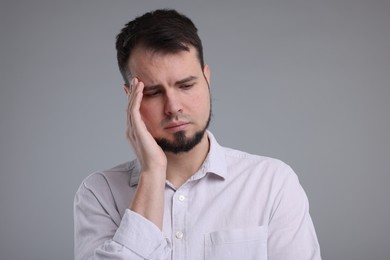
(304, 81)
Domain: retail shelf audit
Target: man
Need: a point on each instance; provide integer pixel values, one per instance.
(185, 196)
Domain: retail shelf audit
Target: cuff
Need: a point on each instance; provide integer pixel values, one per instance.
(140, 235)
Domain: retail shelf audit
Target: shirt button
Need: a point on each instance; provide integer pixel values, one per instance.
(182, 197)
(179, 235)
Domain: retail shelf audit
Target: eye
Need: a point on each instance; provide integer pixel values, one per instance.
(187, 86)
(152, 93)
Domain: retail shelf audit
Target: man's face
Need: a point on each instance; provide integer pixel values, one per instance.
(176, 102)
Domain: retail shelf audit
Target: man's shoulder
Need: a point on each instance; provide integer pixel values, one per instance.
(121, 173)
(259, 165)
(234, 155)
(107, 190)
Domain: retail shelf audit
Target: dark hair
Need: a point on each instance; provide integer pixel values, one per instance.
(162, 30)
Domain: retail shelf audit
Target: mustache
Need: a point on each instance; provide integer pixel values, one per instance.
(176, 117)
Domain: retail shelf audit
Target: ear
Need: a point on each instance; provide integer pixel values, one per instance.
(126, 88)
(206, 72)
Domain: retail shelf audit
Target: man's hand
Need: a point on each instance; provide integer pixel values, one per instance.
(148, 199)
(149, 154)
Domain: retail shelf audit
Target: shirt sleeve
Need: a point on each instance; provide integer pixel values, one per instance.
(99, 235)
(291, 230)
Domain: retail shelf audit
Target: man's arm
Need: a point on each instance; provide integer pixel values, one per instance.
(149, 197)
(291, 230)
(99, 232)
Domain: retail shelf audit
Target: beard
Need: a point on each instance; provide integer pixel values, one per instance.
(181, 142)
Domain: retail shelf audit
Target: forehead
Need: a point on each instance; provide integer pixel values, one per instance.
(152, 66)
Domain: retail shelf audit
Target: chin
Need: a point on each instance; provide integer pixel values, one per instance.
(181, 142)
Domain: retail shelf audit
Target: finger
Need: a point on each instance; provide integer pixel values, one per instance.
(138, 95)
(130, 98)
(135, 102)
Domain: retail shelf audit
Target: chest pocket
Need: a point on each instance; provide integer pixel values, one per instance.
(248, 244)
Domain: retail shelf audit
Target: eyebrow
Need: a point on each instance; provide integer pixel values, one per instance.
(179, 82)
(185, 80)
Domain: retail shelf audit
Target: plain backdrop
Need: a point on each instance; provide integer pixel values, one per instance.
(304, 81)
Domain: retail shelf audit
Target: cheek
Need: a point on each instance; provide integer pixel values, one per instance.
(202, 102)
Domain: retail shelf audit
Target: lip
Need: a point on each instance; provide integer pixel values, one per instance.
(176, 126)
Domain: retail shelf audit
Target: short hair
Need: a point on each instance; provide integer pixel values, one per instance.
(162, 30)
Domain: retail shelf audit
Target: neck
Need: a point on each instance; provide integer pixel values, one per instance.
(183, 165)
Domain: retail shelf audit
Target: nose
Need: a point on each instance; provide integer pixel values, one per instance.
(173, 104)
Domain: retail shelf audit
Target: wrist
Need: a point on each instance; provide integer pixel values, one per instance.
(152, 176)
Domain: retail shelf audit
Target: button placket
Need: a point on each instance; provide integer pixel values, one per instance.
(179, 219)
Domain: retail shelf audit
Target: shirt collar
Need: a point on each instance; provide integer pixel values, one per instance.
(135, 172)
(216, 160)
(215, 163)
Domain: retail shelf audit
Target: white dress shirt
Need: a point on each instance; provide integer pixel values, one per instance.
(237, 206)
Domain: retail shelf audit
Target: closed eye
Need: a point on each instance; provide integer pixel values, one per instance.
(187, 86)
(152, 93)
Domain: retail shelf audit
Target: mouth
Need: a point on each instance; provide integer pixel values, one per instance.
(176, 126)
